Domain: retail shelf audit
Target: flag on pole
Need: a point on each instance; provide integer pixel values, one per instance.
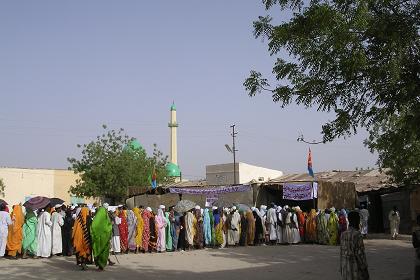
(310, 170)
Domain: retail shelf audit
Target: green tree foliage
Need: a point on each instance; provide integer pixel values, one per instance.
(110, 164)
(359, 59)
(2, 186)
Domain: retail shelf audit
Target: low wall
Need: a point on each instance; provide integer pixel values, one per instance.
(154, 201)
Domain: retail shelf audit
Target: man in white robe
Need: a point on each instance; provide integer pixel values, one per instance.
(364, 217)
(44, 234)
(295, 227)
(279, 225)
(271, 223)
(5, 222)
(394, 222)
(57, 222)
(263, 211)
(234, 225)
(116, 241)
(287, 222)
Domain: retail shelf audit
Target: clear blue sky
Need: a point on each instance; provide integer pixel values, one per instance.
(66, 67)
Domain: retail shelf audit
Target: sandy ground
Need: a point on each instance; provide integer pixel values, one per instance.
(387, 259)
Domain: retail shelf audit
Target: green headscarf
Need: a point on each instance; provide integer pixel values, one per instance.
(101, 232)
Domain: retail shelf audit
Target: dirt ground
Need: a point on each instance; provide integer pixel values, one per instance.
(387, 259)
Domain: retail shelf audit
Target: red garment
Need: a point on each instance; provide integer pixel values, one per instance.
(342, 224)
(301, 222)
(123, 227)
(146, 229)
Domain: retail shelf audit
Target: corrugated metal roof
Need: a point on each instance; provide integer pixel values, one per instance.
(364, 180)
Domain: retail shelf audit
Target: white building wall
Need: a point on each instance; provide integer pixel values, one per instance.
(249, 172)
(222, 174)
(25, 183)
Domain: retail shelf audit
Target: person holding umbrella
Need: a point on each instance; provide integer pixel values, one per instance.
(5, 222)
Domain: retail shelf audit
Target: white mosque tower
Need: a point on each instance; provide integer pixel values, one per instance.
(172, 167)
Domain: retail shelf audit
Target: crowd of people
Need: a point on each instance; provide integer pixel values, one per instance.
(92, 233)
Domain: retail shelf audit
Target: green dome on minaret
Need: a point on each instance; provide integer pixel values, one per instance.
(172, 170)
(173, 108)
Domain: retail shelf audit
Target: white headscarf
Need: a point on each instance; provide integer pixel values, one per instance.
(149, 209)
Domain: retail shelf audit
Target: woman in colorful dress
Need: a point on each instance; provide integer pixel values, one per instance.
(81, 238)
(147, 214)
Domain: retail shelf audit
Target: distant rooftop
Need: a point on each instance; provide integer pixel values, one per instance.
(365, 180)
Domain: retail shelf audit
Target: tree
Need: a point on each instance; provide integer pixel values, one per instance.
(2, 186)
(359, 59)
(112, 163)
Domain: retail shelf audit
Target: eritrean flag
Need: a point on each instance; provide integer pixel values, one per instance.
(310, 170)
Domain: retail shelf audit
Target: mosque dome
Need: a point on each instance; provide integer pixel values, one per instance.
(133, 145)
(172, 170)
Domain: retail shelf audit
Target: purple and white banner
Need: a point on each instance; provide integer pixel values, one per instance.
(300, 191)
(215, 190)
(211, 199)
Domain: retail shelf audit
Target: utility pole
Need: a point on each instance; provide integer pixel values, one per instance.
(234, 150)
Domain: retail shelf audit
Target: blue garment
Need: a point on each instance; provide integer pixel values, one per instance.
(207, 227)
(216, 217)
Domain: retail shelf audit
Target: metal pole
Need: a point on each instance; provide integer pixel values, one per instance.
(313, 197)
(234, 153)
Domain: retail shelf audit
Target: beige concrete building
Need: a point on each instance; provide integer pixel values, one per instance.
(223, 174)
(24, 183)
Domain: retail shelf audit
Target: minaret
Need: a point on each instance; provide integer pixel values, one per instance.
(173, 126)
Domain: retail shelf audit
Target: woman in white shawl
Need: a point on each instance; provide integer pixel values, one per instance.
(189, 229)
(132, 230)
(161, 224)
